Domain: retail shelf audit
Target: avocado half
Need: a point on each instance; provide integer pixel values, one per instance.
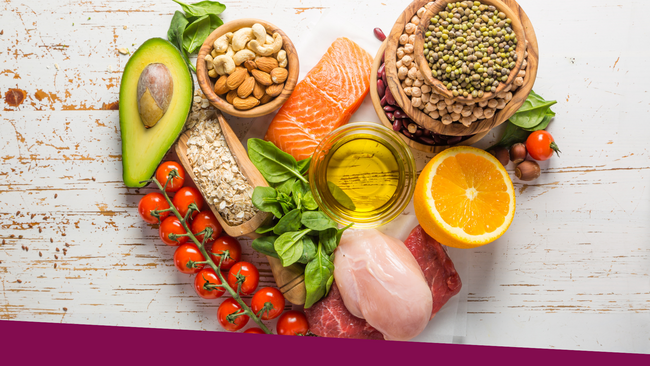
(145, 142)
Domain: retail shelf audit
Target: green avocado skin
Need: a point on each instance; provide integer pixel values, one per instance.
(143, 149)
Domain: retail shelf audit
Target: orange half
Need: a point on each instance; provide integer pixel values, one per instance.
(464, 198)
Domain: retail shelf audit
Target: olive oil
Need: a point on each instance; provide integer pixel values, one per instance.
(363, 175)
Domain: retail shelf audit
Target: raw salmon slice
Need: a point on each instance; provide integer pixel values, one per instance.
(325, 100)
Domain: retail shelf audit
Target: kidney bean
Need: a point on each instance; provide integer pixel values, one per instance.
(396, 124)
(383, 77)
(427, 140)
(381, 88)
(383, 101)
(389, 108)
(399, 114)
(379, 34)
(436, 138)
(389, 97)
(383, 57)
(407, 134)
(405, 123)
(419, 133)
(454, 140)
(381, 70)
(391, 117)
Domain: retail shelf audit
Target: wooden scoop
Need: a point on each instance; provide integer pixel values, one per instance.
(290, 280)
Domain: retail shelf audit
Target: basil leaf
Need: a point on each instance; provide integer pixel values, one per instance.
(264, 245)
(317, 220)
(303, 165)
(318, 277)
(309, 202)
(196, 33)
(545, 122)
(264, 198)
(289, 246)
(275, 165)
(308, 250)
(202, 8)
(290, 222)
(286, 186)
(340, 196)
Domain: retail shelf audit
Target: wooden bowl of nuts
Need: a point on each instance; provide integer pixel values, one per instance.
(450, 116)
(247, 68)
(499, 29)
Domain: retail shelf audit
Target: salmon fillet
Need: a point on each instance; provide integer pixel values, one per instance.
(325, 100)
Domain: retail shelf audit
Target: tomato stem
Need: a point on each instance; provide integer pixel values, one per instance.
(217, 268)
(555, 148)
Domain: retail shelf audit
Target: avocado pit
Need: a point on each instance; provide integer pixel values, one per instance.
(154, 93)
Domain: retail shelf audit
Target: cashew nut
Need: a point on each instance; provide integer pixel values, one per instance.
(259, 32)
(221, 44)
(240, 38)
(242, 56)
(282, 58)
(266, 50)
(268, 39)
(208, 61)
(224, 64)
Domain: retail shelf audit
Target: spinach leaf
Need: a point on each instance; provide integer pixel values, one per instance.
(545, 122)
(300, 189)
(202, 8)
(264, 245)
(327, 238)
(308, 251)
(317, 220)
(265, 229)
(196, 33)
(289, 246)
(175, 35)
(511, 136)
(264, 198)
(215, 21)
(309, 202)
(275, 165)
(532, 112)
(319, 274)
(286, 186)
(340, 196)
(290, 222)
(303, 165)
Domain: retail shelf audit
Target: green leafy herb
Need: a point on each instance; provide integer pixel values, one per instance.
(331, 238)
(264, 245)
(196, 33)
(532, 112)
(175, 35)
(545, 122)
(286, 186)
(275, 165)
(319, 274)
(289, 246)
(289, 222)
(511, 136)
(265, 199)
(309, 202)
(318, 220)
(341, 196)
(303, 165)
(265, 229)
(202, 8)
(215, 21)
(308, 250)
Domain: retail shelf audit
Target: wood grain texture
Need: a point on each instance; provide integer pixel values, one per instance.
(207, 85)
(573, 271)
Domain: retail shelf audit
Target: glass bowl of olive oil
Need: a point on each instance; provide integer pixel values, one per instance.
(362, 174)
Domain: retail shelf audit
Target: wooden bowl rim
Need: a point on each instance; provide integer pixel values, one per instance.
(207, 86)
(457, 129)
(376, 102)
(234, 231)
(517, 27)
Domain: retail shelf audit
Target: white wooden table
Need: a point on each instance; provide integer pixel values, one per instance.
(573, 271)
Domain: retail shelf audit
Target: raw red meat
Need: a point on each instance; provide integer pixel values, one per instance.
(330, 318)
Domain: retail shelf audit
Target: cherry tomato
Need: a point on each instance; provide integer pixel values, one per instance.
(250, 274)
(204, 219)
(254, 331)
(541, 146)
(207, 275)
(293, 323)
(150, 202)
(185, 197)
(162, 173)
(270, 295)
(223, 243)
(172, 225)
(227, 307)
(185, 253)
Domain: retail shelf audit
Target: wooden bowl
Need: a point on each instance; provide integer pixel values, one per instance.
(245, 165)
(376, 102)
(458, 129)
(207, 85)
(423, 64)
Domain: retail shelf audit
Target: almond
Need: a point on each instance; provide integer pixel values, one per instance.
(265, 99)
(244, 104)
(230, 97)
(246, 88)
(236, 78)
(266, 64)
(279, 75)
(262, 77)
(274, 90)
(258, 90)
(250, 65)
(220, 86)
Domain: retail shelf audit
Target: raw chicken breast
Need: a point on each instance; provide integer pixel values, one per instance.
(381, 282)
